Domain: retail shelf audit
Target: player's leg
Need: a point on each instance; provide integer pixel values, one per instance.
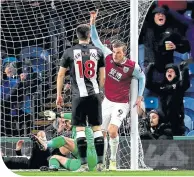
(70, 164)
(107, 108)
(38, 158)
(70, 146)
(95, 121)
(63, 143)
(91, 150)
(119, 112)
(42, 135)
(79, 121)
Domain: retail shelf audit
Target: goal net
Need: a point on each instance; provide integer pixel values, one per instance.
(34, 35)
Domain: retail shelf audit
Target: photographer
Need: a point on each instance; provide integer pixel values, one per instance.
(155, 127)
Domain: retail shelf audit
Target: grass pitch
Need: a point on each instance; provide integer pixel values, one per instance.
(108, 173)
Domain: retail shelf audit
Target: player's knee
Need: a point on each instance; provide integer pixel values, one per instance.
(63, 150)
(112, 133)
(55, 157)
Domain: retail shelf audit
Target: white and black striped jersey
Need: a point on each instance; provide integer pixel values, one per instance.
(84, 61)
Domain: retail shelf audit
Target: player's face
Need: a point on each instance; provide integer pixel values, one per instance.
(118, 54)
(62, 124)
(160, 19)
(170, 74)
(68, 125)
(154, 119)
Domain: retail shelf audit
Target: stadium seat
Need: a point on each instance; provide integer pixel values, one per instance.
(188, 14)
(191, 88)
(7, 85)
(151, 102)
(9, 60)
(189, 94)
(141, 56)
(27, 105)
(189, 113)
(191, 133)
(188, 122)
(39, 58)
(177, 59)
(186, 131)
(188, 103)
(191, 68)
(180, 56)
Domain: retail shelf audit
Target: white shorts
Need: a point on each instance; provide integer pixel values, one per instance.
(113, 113)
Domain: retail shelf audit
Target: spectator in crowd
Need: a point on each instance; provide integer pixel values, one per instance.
(160, 40)
(39, 158)
(25, 84)
(171, 92)
(155, 127)
(189, 23)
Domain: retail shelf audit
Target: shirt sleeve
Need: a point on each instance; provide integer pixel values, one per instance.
(101, 62)
(65, 60)
(96, 41)
(139, 74)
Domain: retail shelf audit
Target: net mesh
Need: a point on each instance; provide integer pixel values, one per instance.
(34, 35)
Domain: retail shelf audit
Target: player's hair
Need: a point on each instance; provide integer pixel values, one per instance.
(118, 43)
(83, 31)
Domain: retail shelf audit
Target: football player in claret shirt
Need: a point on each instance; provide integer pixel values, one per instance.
(119, 73)
(87, 73)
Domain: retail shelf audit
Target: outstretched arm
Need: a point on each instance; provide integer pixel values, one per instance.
(94, 35)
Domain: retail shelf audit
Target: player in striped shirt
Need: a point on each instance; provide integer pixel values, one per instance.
(87, 73)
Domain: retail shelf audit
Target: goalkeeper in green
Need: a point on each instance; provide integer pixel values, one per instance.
(67, 146)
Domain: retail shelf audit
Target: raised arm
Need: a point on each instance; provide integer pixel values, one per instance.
(185, 82)
(184, 20)
(18, 148)
(94, 35)
(101, 65)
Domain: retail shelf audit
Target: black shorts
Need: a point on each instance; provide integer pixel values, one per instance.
(87, 109)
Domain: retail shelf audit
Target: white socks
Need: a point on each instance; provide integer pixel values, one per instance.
(114, 143)
(105, 150)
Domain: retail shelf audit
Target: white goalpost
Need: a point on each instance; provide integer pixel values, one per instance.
(134, 85)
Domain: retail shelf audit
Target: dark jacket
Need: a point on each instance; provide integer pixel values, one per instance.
(153, 37)
(171, 96)
(162, 131)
